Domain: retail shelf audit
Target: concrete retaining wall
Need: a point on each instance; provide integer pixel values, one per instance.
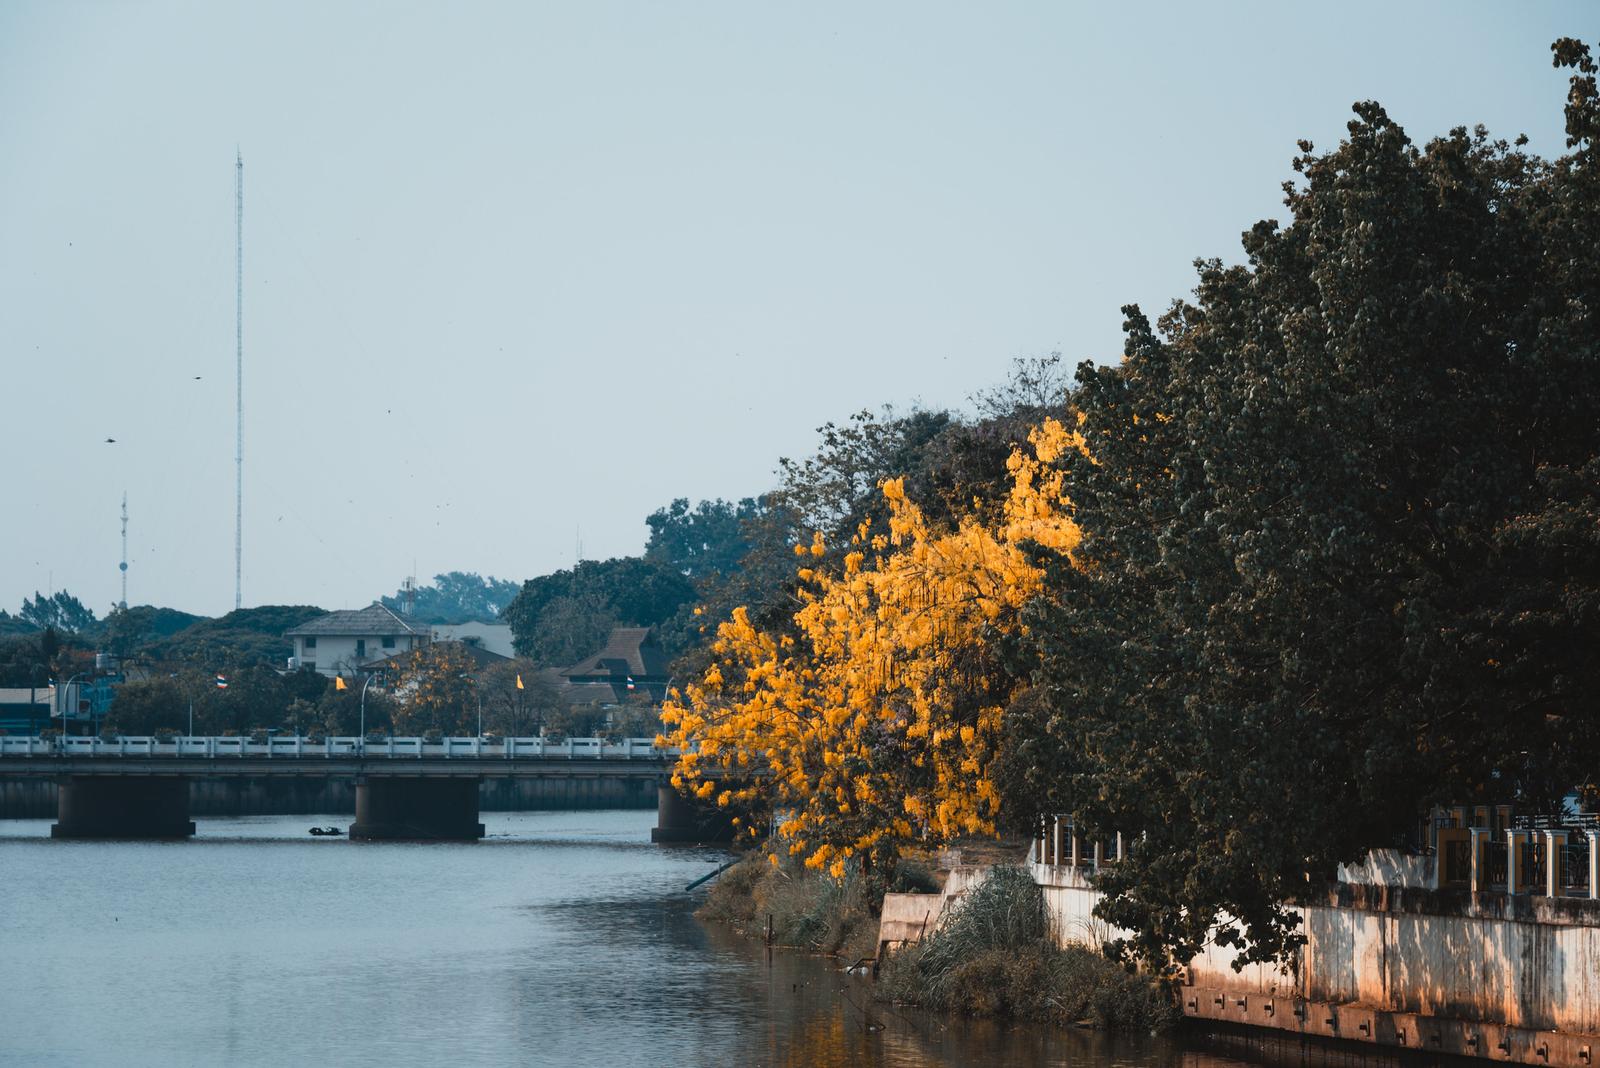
(1510, 977)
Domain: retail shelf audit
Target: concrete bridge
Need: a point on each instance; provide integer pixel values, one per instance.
(410, 788)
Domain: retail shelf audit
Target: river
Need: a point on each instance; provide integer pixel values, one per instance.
(561, 939)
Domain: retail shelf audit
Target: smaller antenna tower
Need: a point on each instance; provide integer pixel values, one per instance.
(123, 567)
(408, 595)
(238, 395)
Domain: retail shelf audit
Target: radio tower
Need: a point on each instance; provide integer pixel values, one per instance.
(123, 567)
(238, 399)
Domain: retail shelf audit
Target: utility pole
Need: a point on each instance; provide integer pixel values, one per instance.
(123, 566)
(238, 400)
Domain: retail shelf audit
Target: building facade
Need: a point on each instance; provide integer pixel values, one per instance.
(340, 643)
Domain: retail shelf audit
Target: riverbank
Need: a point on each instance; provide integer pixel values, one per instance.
(992, 956)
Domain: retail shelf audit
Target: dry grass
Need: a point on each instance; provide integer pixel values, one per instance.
(994, 957)
(807, 910)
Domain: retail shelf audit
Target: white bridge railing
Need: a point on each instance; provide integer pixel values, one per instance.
(212, 748)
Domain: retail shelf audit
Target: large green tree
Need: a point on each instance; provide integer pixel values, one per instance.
(703, 542)
(456, 597)
(245, 636)
(59, 610)
(127, 631)
(1341, 535)
(592, 597)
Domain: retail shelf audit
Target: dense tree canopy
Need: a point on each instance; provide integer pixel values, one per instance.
(1341, 533)
(60, 611)
(126, 631)
(435, 691)
(455, 597)
(590, 599)
(12, 625)
(243, 637)
(876, 722)
(703, 542)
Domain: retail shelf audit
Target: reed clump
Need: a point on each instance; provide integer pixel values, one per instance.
(806, 909)
(994, 956)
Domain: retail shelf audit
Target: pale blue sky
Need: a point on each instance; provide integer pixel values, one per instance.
(515, 269)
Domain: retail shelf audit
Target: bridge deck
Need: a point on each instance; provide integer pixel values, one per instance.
(342, 757)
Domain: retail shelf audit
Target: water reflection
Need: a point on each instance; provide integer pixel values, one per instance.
(565, 938)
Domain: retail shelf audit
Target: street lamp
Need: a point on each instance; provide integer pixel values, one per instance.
(61, 700)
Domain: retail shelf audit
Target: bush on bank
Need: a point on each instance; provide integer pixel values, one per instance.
(994, 956)
(808, 909)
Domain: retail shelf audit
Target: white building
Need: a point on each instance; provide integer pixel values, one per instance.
(339, 643)
(493, 637)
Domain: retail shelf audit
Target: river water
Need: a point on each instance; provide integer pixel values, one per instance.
(561, 939)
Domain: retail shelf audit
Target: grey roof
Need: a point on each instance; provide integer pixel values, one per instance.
(629, 651)
(372, 621)
(481, 658)
(588, 693)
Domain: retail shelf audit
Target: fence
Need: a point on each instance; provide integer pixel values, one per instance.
(212, 748)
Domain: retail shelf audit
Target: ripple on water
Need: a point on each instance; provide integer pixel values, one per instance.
(565, 938)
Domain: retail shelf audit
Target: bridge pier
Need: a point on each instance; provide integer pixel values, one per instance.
(416, 807)
(684, 821)
(122, 806)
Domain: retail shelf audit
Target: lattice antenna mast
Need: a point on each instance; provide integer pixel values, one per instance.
(123, 566)
(238, 399)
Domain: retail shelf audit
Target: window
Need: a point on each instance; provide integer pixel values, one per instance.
(311, 643)
(388, 641)
(361, 647)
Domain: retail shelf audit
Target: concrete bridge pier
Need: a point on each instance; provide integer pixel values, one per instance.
(122, 806)
(680, 819)
(416, 807)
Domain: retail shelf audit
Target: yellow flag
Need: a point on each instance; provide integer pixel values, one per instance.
(338, 683)
(519, 682)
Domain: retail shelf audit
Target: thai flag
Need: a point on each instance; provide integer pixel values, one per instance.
(222, 682)
(630, 682)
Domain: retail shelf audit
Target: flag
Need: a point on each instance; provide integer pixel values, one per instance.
(222, 682)
(630, 682)
(519, 682)
(339, 683)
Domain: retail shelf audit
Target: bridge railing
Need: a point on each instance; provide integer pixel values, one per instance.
(413, 748)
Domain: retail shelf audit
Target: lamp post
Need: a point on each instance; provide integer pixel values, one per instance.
(361, 742)
(61, 699)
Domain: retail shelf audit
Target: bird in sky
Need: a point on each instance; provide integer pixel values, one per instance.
(111, 441)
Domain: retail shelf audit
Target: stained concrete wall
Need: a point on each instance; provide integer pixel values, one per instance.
(1522, 961)
(290, 795)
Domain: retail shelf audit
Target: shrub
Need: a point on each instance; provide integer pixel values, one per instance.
(808, 909)
(914, 877)
(994, 956)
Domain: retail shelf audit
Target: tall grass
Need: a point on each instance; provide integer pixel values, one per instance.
(994, 956)
(806, 909)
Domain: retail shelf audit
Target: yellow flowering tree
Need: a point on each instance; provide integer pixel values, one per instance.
(877, 723)
(436, 690)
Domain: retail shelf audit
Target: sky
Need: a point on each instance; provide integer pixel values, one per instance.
(518, 274)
